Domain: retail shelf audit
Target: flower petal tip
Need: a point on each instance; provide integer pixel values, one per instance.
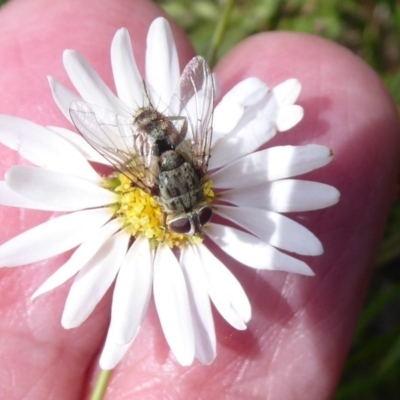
(289, 117)
(185, 361)
(34, 297)
(121, 36)
(306, 271)
(288, 91)
(241, 327)
(122, 31)
(67, 54)
(70, 323)
(67, 327)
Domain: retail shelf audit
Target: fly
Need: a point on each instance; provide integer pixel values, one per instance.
(165, 155)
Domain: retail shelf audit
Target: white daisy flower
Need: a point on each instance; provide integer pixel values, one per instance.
(118, 230)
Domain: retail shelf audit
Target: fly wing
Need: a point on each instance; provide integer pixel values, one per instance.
(197, 105)
(118, 140)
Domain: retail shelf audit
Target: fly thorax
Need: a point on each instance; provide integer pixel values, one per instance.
(166, 131)
(152, 123)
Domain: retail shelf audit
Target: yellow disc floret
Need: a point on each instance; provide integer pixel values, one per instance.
(141, 214)
(208, 192)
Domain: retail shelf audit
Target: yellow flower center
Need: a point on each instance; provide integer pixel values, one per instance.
(141, 214)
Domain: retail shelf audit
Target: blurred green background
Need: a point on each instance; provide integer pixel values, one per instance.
(371, 29)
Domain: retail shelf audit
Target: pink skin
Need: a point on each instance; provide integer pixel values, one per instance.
(301, 328)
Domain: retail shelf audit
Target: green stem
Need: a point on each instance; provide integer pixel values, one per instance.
(101, 385)
(219, 32)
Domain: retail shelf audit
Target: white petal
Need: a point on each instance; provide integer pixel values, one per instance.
(256, 127)
(288, 91)
(288, 117)
(80, 144)
(232, 106)
(42, 147)
(112, 354)
(60, 192)
(93, 280)
(52, 237)
(132, 292)
(89, 84)
(78, 259)
(287, 195)
(128, 82)
(11, 199)
(271, 164)
(162, 64)
(274, 228)
(172, 303)
(62, 96)
(225, 290)
(203, 322)
(251, 251)
(248, 136)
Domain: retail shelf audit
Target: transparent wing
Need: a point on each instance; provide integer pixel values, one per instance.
(197, 105)
(117, 139)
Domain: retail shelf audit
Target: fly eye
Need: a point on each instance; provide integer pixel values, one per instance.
(205, 215)
(180, 225)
